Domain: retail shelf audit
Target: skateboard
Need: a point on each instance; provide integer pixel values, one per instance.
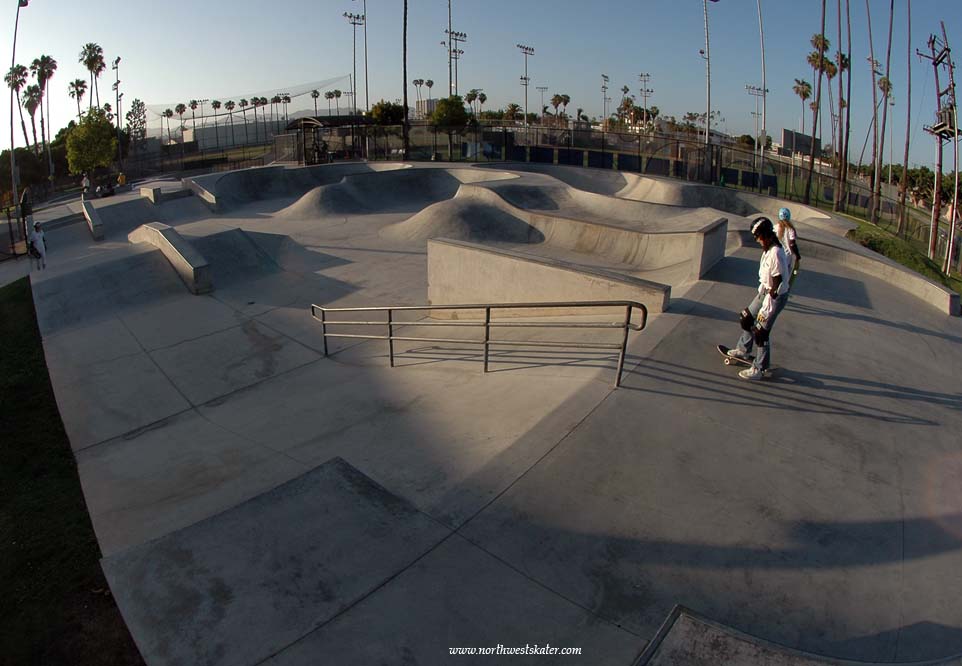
(733, 360)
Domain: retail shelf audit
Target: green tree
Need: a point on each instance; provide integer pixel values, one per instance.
(450, 115)
(512, 111)
(137, 125)
(556, 101)
(93, 144)
(16, 79)
(387, 113)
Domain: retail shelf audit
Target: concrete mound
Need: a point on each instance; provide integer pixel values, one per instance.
(399, 191)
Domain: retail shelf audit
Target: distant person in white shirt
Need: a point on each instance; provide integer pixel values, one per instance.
(759, 317)
(788, 237)
(37, 245)
(85, 183)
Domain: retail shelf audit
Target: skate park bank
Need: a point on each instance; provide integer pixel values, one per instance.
(259, 501)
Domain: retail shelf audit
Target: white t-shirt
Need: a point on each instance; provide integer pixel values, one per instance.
(773, 263)
(37, 238)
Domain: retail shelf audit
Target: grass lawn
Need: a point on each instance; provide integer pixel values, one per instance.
(54, 601)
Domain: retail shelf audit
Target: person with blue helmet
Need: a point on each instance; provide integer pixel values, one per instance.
(758, 319)
(788, 237)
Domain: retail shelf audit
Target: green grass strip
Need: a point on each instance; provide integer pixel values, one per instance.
(902, 252)
(54, 601)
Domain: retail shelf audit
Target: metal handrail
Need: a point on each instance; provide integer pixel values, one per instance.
(625, 324)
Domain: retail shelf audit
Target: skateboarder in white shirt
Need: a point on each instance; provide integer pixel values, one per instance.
(759, 317)
(788, 237)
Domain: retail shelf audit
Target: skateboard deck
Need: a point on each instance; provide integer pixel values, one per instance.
(733, 360)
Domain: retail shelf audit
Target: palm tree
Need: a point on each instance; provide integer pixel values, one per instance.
(565, 101)
(193, 118)
(904, 181)
(557, 101)
(470, 97)
(77, 89)
(430, 84)
(821, 45)
(243, 107)
(276, 99)
(512, 111)
(92, 57)
(482, 98)
(168, 114)
(16, 79)
(328, 96)
(263, 103)
(337, 100)
(803, 89)
(215, 104)
(287, 100)
(314, 95)
(405, 141)
(229, 105)
(180, 110)
(417, 83)
(43, 69)
(885, 85)
(31, 100)
(842, 64)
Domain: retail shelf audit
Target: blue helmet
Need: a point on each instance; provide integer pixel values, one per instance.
(785, 214)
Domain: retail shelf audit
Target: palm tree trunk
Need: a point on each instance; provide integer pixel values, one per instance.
(33, 125)
(49, 156)
(904, 181)
(871, 49)
(848, 97)
(877, 197)
(23, 125)
(78, 109)
(818, 106)
(841, 157)
(404, 128)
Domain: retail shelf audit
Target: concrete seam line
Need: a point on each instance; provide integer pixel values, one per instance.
(156, 365)
(548, 589)
(127, 434)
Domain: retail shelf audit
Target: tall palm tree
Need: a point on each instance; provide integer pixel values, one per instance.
(31, 100)
(512, 111)
(243, 107)
(565, 101)
(180, 110)
(215, 104)
(168, 114)
(44, 68)
(842, 65)
(337, 101)
(16, 79)
(92, 57)
(821, 44)
(470, 97)
(885, 85)
(287, 100)
(405, 139)
(229, 105)
(875, 73)
(417, 83)
(904, 180)
(430, 84)
(77, 89)
(482, 98)
(848, 96)
(803, 89)
(193, 104)
(264, 102)
(328, 96)
(276, 99)
(314, 95)
(556, 101)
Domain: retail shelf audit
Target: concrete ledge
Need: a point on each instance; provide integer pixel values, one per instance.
(885, 269)
(190, 265)
(687, 637)
(206, 196)
(461, 272)
(157, 196)
(94, 223)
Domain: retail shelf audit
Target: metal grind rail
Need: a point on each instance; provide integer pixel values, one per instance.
(321, 314)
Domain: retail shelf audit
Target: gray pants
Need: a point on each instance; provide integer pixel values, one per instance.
(747, 340)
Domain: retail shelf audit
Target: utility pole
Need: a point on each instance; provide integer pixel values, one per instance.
(116, 87)
(942, 130)
(646, 92)
(448, 31)
(604, 101)
(454, 51)
(756, 92)
(526, 51)
(764, 136)
(543, 90)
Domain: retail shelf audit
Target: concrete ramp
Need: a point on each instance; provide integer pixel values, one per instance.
(101, 291)
(688, 638)
(234, 257)
(239, 587)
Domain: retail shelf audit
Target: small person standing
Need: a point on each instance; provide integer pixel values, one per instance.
(787, 236)
(759, 317)
(37, 244)
(85, 183)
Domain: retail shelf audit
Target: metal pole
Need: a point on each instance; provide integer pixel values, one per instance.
(761, 34)
(390, 336)
(707, 83)
(367, 100)
(13, 63)
(450, 80)
(487, 335)
(624, 344)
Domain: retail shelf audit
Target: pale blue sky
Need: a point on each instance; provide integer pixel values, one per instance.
(228, 50)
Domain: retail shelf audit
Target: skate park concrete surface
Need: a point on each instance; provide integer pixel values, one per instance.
(259, 503)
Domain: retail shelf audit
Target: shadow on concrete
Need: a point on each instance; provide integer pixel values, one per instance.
(805, 309)
(787, 391)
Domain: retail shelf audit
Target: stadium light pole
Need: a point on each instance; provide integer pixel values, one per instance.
(367, 99)
(761, 36)
(604, 102)
(455, 52)
(646, 92)
(13, 63)
(543, 90)
(116, 67)
(526, 51)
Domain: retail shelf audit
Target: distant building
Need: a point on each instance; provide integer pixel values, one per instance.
(797, 143)
(424, 108)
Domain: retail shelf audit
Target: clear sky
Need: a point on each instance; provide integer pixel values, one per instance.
(227, 50)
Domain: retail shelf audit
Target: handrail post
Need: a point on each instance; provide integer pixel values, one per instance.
(324, 330)
(624, 344)
(390, 336)
(487, 335)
